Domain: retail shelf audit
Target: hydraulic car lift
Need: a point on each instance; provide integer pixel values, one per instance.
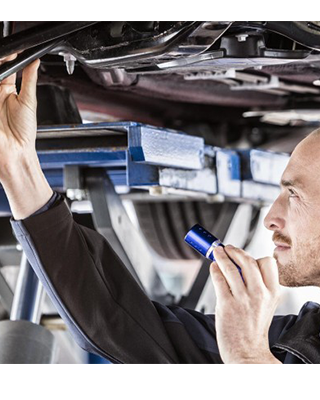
(90, 161)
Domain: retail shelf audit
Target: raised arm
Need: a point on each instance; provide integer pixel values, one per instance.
(103, 306)
(20, 173)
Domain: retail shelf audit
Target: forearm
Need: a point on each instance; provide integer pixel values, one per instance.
(25, 185)
(92, 290)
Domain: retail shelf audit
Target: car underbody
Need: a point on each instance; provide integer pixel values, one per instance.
(220, 80)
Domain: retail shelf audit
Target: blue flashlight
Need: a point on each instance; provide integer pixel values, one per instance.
(204, 242)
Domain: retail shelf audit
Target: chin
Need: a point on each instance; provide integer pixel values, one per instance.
(289, 282)
(287, 274)
(291, 274)
(289, 277)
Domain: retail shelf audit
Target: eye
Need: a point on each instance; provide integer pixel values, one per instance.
(292, 193)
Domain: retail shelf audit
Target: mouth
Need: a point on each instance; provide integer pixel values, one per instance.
(281, 246)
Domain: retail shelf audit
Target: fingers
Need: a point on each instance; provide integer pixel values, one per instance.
(255, 272)
(220, 284)
(249, 266)
(11, 80)
(229, 271)
(28, 90)
(269, 272)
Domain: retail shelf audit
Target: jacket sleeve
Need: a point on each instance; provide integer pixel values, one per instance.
(103, 306)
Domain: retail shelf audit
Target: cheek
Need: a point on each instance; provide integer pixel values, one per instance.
(306, 258)
(300, 219)
(302, 224)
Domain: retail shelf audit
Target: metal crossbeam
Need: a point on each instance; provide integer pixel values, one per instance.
(137, 155)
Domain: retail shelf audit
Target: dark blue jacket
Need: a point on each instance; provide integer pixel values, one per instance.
(108, 314)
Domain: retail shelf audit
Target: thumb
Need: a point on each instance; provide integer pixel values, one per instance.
(28, 90)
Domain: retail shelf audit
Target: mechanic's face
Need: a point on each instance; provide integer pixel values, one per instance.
(295, 217)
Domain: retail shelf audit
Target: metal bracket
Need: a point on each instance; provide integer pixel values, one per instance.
(73, 182)
(112, 221)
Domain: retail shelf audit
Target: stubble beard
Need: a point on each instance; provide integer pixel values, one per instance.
(302, 269)
(287, 274)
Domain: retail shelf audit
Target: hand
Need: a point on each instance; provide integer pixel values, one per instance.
(244, 310)
(21, 175)
(18, 119)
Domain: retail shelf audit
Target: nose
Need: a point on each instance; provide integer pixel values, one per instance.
(275, 219)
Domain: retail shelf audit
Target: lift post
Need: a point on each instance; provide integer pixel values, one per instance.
(22, 339)
(28, 296)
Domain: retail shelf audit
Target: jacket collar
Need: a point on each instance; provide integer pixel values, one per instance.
(303, 338)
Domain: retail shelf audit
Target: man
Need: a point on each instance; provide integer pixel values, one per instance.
(106, 310)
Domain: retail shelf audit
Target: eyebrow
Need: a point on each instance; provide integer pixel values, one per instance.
(291, 182)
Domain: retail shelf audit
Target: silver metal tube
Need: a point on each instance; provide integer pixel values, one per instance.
(28, 295)
(216, 243)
